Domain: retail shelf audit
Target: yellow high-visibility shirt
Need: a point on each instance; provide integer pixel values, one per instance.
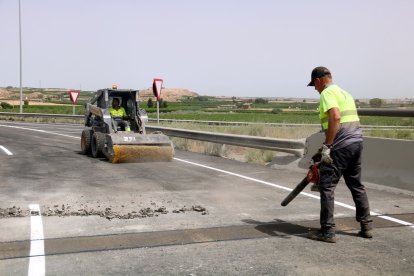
(117, 113)
(333, 96)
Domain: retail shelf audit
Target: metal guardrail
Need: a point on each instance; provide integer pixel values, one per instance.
(228, 123)
(41, 115)
(388, 112)
(284, 145)
(224, 123)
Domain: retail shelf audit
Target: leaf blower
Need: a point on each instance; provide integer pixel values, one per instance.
(311, 177)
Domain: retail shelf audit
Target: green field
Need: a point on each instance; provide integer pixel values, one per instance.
(48, 109)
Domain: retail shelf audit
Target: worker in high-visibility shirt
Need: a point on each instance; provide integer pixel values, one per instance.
(118, 113)
(340, 155)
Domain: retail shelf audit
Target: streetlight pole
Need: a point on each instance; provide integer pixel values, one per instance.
(20, 42)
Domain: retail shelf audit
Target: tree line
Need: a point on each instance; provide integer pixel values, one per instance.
(151, 103)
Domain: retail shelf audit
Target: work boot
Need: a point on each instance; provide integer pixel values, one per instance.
(325, 236)
(366, 231)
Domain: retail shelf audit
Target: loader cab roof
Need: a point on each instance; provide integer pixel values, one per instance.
(117, 92)
(123, 94)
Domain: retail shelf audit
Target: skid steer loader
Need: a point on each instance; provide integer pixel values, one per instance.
(121, 139)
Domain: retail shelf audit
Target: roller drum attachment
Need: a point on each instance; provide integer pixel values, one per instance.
(141, 153)
(133, 147)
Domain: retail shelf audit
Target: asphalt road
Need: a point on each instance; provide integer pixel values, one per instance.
(196, 215)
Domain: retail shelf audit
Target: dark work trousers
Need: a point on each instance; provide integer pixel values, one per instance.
(121, 123)
(346, 162)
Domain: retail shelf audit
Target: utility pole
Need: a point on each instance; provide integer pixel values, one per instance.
(20, 42)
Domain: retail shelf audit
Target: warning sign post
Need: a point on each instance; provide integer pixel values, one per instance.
(156, 89)
(74, 94)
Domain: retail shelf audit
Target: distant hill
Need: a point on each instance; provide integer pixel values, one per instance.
(168, 94)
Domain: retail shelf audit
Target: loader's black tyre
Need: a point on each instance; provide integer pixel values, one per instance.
(98, 143)
(86, 141)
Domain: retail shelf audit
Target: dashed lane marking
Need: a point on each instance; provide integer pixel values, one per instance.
(37, 248)
(39, 130)
(6, 150)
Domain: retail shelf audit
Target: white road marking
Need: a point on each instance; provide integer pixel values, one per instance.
(39, 130)
(289, 189)
(244, 177)
(37, 248)
(6, 150)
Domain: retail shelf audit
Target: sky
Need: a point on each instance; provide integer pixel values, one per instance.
(256, 48)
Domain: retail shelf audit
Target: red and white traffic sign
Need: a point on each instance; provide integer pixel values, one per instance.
(74, 94)
(156, 88)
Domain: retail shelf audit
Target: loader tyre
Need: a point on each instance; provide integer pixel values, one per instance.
(86, 141)
(98, 143)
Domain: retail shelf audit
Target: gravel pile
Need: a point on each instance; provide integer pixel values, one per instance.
(12, 212)
(108, 212)
(196, 208)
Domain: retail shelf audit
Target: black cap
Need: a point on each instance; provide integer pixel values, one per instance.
(318, 72)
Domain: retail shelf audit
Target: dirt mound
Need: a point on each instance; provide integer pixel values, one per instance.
(168, 94)
(34, 96)
(4, 94)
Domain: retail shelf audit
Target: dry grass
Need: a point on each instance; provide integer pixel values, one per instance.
(242, 154)
(261, 130)
(407, 134)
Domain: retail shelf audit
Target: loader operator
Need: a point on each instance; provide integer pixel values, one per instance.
(341, 155)
(118, 114)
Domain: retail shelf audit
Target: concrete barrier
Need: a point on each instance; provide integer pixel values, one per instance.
(387, 162)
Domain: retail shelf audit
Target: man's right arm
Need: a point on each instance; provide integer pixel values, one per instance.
(334, 118)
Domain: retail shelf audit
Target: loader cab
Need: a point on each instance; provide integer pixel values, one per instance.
(127, 99)
(98, 114)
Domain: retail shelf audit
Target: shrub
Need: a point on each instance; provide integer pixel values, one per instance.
(404, 134)
(201, 98)
(256, 156)
(26, 102)
(276, 110)
(5, 105)
(376, 102)
(261, 101)
(150, 103)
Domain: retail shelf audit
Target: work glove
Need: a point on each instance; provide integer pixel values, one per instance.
(326, 154)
